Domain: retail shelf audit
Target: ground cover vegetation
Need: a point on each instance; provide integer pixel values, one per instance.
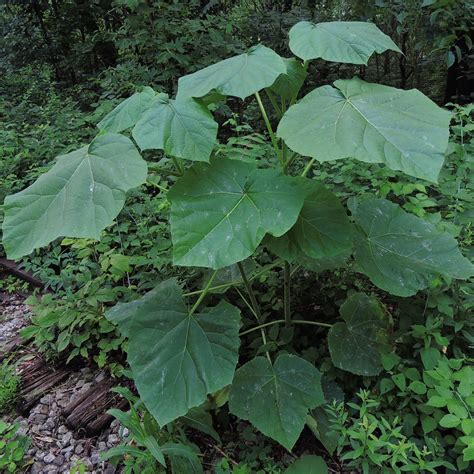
(261, 213)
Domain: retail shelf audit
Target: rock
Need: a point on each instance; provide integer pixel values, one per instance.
(113, 440)
(79, 449)
(59, 461)
(62, 429)
(102, 446)
(66, 439)
(109, 469)
(38, 419)
(49, 458)
(95, 458)
(44, 409)
(46, 400)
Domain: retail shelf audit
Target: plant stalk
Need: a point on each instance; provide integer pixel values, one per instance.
(269, 128)
(204, 293)
(281, 321)
(250, 292)
(286, 294)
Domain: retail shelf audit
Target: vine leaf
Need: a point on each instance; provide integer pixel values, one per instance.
(79, 197)
(182, 128)
(321, 238)
(177, 359)
(276, 398)
(339, 41)
(288, 85)
(357, 343)
(221, 211)
(372, 123)
(239, 76)
(128, 112)
(309, 464)
(402, 253)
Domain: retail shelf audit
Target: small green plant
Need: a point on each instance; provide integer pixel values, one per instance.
(147, 446)
(9, 385)
(13, 448)
(374, 444)
(225, 210)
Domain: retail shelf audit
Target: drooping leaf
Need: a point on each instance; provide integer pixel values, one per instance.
(79, 197)
(227, 276)
(200, 419)
(402, 253)
(184, 458)
(276, 399)
(128, 112)
(323, 228)
(372, 123)
(309, 464)
(287, 85)
(239, 76)
(221, 212)
(357, 343)
(177, 359)
(182, 128)
(290, 251)
(339, 41)
(321, 238)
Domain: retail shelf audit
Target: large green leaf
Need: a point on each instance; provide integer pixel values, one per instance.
(276, 398)
(183, 128)
(79, 197)
(339, 41)
(357, 343)
(220, 212)
(288, 85)
(239, 76)
(177, 359)
(321, 238)
(309, 464)
(128, 112)
(372, 123)
(402, 253)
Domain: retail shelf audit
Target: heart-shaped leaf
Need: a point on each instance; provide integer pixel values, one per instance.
(357, 343)
(178, 358)
(79, 197)
(276, 398)
(128, 112)
(339, 41)
(288, 85)
(220, 212)
(321, 238)
(309, 464)
(239, 76)
(372, 123)
(182, 128)
(402, 253)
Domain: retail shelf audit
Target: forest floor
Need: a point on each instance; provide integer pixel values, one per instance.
(56, 447)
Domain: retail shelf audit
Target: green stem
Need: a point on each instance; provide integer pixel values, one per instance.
(234, 283)
(274, 103)
(204, 293)
(281, 321)
(178, 165)
(269, 127)
(250, 292)
(286, 294)
(156, 185)
(308, 167)
(161, 170)
(290, 160)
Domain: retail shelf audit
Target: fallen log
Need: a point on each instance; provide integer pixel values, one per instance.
(11, 267)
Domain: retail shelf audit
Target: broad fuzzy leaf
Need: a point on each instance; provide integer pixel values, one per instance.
(288, 85)
(339, 41)
(321, 237)
(182, 128)
(276, 399)
(240, 76)
(357, 343)
(309, 464)
(79, 197)
(177, 359)
(402, 253)
(221, 212)
(128, 112)
(372, 123)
